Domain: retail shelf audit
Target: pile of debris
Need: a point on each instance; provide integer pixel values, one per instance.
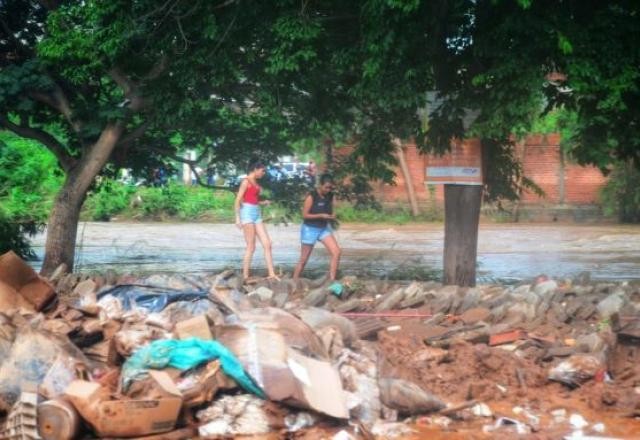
(176, 357)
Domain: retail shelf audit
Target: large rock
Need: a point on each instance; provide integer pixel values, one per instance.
(319, 319)
(470, 300)
(612, 304)
(475, 315)
(408, 398)
(263, 293)
(545, 287)
(391, 300)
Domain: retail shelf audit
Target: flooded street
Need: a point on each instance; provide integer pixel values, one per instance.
(507, 252)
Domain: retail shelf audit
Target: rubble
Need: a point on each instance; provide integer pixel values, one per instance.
(243, 414)
(168, 356)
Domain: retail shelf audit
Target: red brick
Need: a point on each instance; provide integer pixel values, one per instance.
(540, 155)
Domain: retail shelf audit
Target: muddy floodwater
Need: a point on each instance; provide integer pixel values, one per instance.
(507, 252)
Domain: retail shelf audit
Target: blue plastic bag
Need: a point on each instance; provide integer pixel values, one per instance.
(185, 354)
(336, 288)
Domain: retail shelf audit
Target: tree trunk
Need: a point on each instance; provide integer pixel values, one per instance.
(62, 228)
(462, 217)
(63, 223)
(411, 194)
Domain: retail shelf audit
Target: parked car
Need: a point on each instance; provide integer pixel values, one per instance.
(294, 169)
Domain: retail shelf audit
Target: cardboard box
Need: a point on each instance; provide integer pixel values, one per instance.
(104, 352)
(10, 299)
(19, 275)
(295, 332)
(284, 373)
(127, 417)
(14, 271)
(318, 385)
(196, 327)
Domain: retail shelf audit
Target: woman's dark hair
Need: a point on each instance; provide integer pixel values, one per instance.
(255, 166)
(326, 178)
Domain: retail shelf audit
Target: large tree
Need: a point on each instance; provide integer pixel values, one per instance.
(121, 78)
(503, 62)
(99, 81)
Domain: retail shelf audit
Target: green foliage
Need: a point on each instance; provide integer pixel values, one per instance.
(109, 198)
(173, 201)
(504, 176)
(194, 203)
(399, 216)
(602, 80)
(13, 236)
(29, 179)
(560, 120)
(621, 195)
(564, 44)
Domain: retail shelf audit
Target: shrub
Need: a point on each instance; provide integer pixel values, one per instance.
(29, 179)
(621, 195)
(109, 198)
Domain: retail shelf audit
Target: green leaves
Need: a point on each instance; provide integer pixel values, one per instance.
(564, 44)
(404, 5)
(524, 4)
(29, 178)
(294, 38)
(234, 81)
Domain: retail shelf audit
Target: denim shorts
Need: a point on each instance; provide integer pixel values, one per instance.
(311, 234)
(250, 214)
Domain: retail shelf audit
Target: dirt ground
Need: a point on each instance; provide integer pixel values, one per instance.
(490, 375)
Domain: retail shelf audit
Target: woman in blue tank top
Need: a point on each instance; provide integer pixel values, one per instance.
(317, 213)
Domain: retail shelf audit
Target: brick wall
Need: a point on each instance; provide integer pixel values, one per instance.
(540, 156)
(563, 182)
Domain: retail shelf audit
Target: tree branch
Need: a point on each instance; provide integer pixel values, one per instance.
(58, 101)
(129, 87)
(155, 11)
(49, 4)
(66, 161)
(225, 3)
(134, 134)
(192, 165)
(157, 69)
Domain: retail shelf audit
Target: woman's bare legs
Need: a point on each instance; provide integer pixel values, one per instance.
(334, 251)
(265, 240)
(305, 252)
(249, 230)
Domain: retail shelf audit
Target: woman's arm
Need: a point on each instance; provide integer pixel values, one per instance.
(239, 196)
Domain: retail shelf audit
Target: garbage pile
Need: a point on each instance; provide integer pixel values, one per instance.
(177, 357)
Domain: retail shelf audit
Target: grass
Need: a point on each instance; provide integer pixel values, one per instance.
(116, 201)
(396, 216)
(176, 202)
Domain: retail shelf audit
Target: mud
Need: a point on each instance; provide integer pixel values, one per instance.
(490, 375)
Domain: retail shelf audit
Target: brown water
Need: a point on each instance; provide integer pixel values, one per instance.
(506, 251)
